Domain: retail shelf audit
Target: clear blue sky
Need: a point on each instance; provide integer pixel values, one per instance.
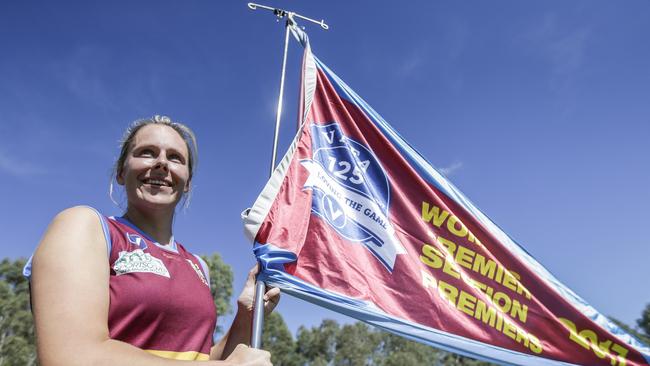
(538, 111)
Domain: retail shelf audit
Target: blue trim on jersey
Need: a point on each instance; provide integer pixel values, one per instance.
(27, 270)
(204, 266)
(170, 248)
(107, 233)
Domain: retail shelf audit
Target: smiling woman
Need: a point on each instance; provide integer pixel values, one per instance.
(156, 165)
(143, 145)
(133, 294)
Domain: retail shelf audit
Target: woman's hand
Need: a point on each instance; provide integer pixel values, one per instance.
(246, 356)
(240, 330)
(247, 296)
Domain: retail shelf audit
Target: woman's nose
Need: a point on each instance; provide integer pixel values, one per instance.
(161, 163)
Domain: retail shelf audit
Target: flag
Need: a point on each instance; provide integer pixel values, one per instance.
(354, 219)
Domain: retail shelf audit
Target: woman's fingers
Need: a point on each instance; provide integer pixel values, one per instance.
(271, 299)
(272, 294)
(251, 275)
(244, 355)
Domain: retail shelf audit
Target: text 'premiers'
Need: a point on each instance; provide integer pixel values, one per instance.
(495, 308)
(480, 310)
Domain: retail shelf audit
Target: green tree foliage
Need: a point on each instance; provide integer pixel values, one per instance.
(220, 283)
(644, 322)
(277, 339)
(637, 334)
(359, 345)
(356, 345)
(17, 341)
(399, 351)
(317, 346)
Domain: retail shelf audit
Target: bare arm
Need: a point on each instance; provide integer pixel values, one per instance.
(70, 295)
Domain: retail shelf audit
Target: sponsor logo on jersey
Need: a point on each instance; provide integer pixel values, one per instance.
(139, 261)
(199, 272)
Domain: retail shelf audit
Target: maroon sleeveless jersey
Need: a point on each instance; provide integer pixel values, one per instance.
(160, 297)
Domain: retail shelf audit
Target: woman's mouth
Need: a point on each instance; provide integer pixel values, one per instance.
(156, 182)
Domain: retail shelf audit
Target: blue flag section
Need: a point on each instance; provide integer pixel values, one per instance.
(355, 220)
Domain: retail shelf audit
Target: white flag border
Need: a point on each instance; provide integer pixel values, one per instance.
(255, 216)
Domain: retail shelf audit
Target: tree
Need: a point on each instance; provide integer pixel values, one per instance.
(220, 284)
(317, 346)
(644, 322)
(278, 340)
(637, 334)
(17, 341)
(356, 345)
(359, 345)
(452, 359)
(399, 351)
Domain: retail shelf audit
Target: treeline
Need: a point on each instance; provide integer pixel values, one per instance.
(349, 345)
(360, 345)
(328, 344)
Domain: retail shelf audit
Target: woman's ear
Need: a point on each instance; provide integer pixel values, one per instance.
(119, 177)
(188, 185)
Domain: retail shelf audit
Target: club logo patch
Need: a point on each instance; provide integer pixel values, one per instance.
(139, 261)
(350, 191)
(199, 272)
(136, 240)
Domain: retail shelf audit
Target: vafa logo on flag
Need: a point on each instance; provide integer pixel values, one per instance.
(350, 191)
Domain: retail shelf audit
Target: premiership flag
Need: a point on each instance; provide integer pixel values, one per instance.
(355, 220)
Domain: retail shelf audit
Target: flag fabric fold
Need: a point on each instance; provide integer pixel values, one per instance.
(354, 219)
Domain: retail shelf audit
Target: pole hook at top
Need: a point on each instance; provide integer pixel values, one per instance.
(281, 13)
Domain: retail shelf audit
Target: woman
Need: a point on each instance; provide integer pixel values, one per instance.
(121, 291)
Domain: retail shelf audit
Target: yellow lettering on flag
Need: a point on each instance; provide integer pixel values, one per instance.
(458, 255)
(478, 309)
(437, 216)
(588, 339)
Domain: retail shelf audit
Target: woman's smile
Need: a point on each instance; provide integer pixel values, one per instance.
(156, 182)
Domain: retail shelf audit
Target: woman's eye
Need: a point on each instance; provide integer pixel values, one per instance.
(146, 153)
(176, 158)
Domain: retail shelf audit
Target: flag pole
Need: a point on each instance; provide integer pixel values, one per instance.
(278, 113)
(260, 286)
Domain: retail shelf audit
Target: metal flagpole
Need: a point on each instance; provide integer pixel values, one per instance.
(278, 113)
(260, 286)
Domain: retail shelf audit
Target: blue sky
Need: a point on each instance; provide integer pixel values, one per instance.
(538, 111)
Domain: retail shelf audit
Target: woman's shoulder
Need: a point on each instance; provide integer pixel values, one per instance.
(78, 213)
(75, 231)
(77, 222)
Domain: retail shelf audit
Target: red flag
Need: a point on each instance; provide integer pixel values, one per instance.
(354, 219)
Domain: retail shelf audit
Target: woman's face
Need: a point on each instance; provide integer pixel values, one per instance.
(155, 173)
